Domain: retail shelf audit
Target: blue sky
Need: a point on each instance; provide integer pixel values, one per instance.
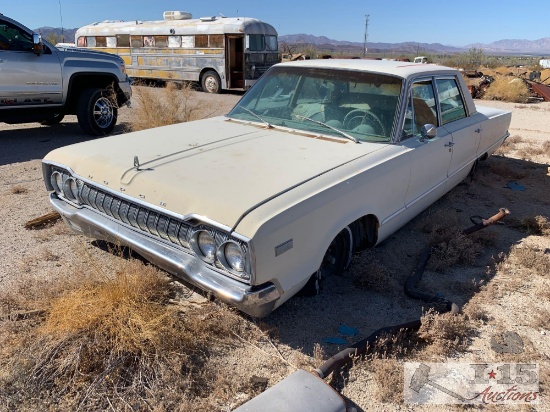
(430, 21)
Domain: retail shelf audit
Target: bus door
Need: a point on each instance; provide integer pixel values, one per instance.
(235, 61)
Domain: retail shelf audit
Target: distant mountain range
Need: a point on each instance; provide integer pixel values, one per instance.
(538, 47)
(57, 33)
(509, 46)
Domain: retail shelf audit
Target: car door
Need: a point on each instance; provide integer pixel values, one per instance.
(464, 129)
(429, 158)
(27, 79)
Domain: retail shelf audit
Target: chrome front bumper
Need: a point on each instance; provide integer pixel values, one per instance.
(256, 301)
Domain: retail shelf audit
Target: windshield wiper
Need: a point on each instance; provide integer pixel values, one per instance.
(269, 125)
(348, 136)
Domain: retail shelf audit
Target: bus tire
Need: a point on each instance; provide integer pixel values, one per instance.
(210, 82)
(96, 112)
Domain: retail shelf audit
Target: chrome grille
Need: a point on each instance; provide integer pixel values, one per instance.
(145, 219)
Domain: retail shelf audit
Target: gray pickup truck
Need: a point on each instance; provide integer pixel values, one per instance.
(41, 83)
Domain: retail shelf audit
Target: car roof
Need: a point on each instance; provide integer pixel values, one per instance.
(396, 68)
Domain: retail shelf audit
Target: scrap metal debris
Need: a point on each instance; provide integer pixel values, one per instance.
(42, 221)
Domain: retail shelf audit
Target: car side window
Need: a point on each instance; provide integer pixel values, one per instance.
(450, 100)
(13, 38)
(421, 108)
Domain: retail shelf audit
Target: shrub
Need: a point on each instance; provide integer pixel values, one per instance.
(155, 107)
(508, 89)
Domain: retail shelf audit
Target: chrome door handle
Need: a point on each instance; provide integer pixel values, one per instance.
(450, 144)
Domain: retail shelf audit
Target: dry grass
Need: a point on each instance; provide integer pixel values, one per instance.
(537, 225)
(507, 89)
(509, 145)
(445, 333)
(155, 107)
(112, 343)
(389, 376)
(532, 150)
(18, 190)
(370, 274)
(545, 76)
(537, 261)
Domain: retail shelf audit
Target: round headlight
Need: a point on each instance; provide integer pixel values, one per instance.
(71, 190)
(206, 245)
(56, 179)
(234, 256)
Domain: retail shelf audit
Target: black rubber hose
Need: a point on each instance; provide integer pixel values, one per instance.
(414, 278)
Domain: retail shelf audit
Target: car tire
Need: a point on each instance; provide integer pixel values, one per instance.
(52, 121)
(335, 262)
(210, 82)
(97, 112)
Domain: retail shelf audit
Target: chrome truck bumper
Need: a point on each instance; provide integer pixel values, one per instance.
(257, 301)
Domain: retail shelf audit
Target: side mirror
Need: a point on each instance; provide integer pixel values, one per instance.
(428, 131)
(37, 45)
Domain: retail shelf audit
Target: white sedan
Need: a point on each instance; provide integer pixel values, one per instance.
(319, 159)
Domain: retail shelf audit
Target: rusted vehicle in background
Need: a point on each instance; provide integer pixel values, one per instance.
(221, 53)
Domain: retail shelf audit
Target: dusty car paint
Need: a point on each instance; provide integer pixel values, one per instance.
(283, 194)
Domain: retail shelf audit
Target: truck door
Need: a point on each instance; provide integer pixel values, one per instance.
(235, 61)
(25, 78)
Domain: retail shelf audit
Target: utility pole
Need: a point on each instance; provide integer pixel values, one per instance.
(366, 34)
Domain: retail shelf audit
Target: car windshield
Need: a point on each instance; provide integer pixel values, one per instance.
(341, 103)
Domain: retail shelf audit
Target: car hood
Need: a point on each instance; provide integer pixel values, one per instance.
(215, 168)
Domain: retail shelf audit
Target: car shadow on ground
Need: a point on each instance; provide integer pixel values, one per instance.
(30, 143)
(304, 322)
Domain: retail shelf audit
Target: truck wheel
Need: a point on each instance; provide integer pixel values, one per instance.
(53, 120)
(210, 82)
(335, 262)
(96, 112)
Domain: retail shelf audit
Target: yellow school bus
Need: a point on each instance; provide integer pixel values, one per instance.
(221, 53)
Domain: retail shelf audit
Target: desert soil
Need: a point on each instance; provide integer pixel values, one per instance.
(303, 324)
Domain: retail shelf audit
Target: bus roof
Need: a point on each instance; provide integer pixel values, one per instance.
(211, 25)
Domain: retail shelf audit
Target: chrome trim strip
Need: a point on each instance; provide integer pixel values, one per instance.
(393, 215)
(423, 195)
(257, 301)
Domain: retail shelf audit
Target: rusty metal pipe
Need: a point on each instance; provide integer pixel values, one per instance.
(483, 223)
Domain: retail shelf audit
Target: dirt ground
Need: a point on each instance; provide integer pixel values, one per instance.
(499, 288)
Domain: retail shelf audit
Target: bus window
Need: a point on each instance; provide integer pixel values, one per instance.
(161, 41)
(271, 43)
(111, 41)
(148, 41)
(201, 41)
(81, 42)
(123, 40)
(136, 41)
(215, 40)
(174, 41)
(255, 42)
(90, 41)
(100, 41)
(187, 42)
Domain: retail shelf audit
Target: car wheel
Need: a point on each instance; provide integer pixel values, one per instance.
(210, 82)
(335, 262)
(97, 112)
(55, 119)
